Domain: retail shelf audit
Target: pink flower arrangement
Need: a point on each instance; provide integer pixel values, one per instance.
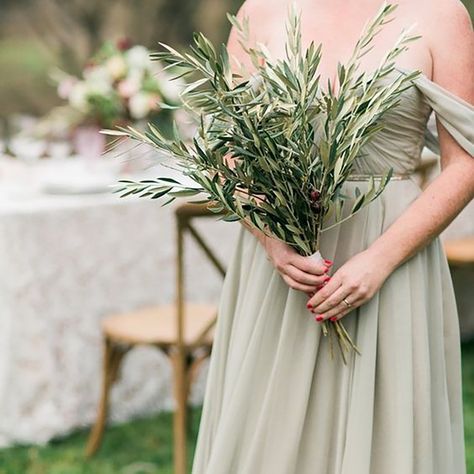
(120, 84)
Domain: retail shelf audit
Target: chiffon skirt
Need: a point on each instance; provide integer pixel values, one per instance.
(276, 402)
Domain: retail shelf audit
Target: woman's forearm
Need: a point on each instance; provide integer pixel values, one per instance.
(253, 230)
(257, 233)
(229, 160)
(441, 201)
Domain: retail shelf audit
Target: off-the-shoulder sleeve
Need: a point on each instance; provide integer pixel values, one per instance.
(456, 115)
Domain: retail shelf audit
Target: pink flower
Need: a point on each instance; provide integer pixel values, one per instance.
(90, 64)
(124, 43)
(154, 102)
(127, 88)
(66, 86)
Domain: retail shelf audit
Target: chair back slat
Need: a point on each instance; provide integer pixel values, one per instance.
(185, 214)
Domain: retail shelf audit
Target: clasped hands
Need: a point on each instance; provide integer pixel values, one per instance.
(356, 281)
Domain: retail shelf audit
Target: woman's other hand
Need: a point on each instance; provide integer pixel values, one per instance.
(357, 281)
(298, 272)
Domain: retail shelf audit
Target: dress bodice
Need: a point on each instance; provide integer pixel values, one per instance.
(400, 143)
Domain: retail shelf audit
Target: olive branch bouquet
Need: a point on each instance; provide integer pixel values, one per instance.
(273, 148)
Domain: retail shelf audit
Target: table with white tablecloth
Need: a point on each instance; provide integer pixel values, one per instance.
(66, 262)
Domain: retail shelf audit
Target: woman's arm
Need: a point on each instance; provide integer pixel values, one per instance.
(452, 52)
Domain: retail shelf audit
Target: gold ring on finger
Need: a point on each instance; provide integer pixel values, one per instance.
(347, 302)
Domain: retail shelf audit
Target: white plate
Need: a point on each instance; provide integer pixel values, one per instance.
(77, 187)
(78, 177)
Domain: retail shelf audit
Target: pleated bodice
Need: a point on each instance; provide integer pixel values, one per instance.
(400, 143)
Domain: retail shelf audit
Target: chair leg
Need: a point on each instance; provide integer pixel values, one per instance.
(113, 356)
(194, 365)
(193, 370)
(180, 364)
(190, 376)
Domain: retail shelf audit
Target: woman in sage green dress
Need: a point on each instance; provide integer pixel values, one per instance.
(275, 401)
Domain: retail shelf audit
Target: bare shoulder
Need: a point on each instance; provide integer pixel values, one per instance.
(448, 17)
(451, 40)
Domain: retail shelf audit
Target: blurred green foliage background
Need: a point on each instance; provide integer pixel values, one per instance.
(36, 35)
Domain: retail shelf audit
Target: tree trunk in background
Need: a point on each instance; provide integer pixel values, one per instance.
(82, 25)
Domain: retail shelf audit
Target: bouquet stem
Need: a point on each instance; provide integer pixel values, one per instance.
(336, 328)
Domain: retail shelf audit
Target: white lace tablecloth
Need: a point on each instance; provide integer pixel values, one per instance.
(66, 262)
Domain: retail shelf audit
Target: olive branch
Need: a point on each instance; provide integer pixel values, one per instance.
(274, 148)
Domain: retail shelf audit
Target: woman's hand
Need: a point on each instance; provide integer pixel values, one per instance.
(298, 272)
(356, 281)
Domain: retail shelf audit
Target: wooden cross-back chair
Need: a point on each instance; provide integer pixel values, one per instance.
(183, 331)
(460, 251)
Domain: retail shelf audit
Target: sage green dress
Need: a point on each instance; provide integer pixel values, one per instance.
(275, 400)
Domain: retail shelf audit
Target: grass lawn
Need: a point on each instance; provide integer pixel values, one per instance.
(139, 447)
(468, 389)
(145, 446)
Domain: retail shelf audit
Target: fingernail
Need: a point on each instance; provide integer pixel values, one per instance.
(334, 318)
(309, 305)
(329, 262)
(319, 317)
(327, 278)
